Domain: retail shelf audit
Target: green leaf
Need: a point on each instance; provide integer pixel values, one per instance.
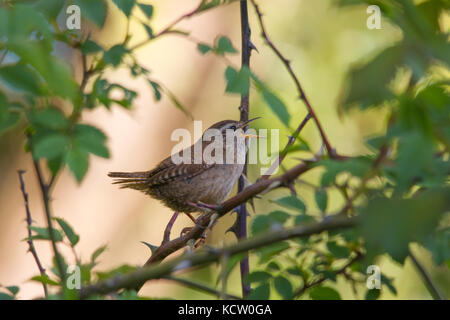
(439, 245)
(94, 10)
(149, 31)
(13, 289)
(337, 250)
(413, 146)
(21, 77)
(55, 164)
(279, 216)
(68, 231)
(51, 118)
(275, 104)
(45, 280)
(147, 9)
(257, 276)
(231, 263)
(51, 146)
(237, 82)
(321, 198)
(4, 296)
(128, 95)
(291, 202)
(372, 294)
(268, 252)
(261, 292)
(177, 103)
(126, 6)
(324, 293)
(97, 253)
(156, 89)
(418, 217)
(78, 162)
(89, 47)
(284, 287)
(43, 234)
(91, 139)
(273, 266)
(388, 283)
(50, 8)
(10, 121)
(357, 166)
(203, 48)
(303, 218)
(369, 83)
(115, 54)
(224, 45)
(123, 269)
(260, 224)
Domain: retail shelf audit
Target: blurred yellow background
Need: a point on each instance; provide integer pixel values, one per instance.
(321, 40)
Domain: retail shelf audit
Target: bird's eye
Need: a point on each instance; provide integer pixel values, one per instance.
(233, 127)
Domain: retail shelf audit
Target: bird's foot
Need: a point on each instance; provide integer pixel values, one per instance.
(202, 205)
(202, 240)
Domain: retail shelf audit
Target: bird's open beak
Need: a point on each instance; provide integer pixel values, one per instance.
(244, 124)
(247, 135)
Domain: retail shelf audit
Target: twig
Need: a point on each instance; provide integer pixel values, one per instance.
(321, 279)
(29, 221)
(290, 142)
(426, 278)
(168, 229)
(244, 111)
(201, 287)
(203, 257)
(168, 28)
(332, 153)
(48, 215)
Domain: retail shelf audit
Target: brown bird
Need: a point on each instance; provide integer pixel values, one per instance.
(208, 180)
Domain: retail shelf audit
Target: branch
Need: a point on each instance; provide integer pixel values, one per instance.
(241, 230)
(290, 142)
(426, 278)
(204, 257)
(31, 247)
(45, 198)
(201, 287)
(332, 153)
(168, 29)
(322, 278)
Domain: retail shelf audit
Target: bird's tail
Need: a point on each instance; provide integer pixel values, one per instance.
(133, 180)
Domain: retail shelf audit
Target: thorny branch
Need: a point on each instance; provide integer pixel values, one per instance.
(426, 278)
(46, 200)
(29, 221)
(241, 223)
(322, 278)
(202, 287)
(206, 256)
(332, 153)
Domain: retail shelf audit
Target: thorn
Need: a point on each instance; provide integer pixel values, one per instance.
(321, 152)
(252, 46)
(233, 228)
(247, 182)
(292, 189)
(291, 139)
(150, 246)
(190, 245)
